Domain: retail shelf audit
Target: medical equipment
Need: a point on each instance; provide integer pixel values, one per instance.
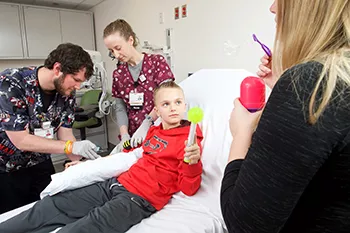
(252, 93)
(194, 115)
(166, 51)
(263, 46)
(99, 80)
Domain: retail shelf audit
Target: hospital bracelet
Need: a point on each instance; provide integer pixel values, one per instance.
(68, 147)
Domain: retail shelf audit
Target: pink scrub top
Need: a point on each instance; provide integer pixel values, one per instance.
(154, 71)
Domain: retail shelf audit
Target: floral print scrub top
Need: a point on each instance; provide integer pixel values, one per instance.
(21, 108)
(154, 71)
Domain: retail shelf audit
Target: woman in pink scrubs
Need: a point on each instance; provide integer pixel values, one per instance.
(134, 79)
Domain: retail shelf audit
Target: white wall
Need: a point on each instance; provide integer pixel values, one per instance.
(4, 64)
(199, 39)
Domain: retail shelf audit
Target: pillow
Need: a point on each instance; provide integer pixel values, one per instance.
(213, 90)
(91, 171)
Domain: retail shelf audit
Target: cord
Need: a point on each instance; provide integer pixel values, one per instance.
(103, 75)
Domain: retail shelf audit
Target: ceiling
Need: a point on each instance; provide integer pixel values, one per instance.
(69, 4)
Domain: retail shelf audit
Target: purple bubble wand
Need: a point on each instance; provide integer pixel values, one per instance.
(264, 47)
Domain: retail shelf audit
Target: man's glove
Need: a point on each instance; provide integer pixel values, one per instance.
(140, 134)
(119, 148)
(86, 149)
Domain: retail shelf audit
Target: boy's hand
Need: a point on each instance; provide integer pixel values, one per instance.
(193, 153)
(72, 164)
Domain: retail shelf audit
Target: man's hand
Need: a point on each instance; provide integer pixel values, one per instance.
(86, 149)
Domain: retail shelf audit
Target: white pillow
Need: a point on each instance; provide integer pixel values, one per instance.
(214, 91)
(91, 171)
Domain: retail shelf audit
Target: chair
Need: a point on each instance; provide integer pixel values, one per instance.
(85, 113)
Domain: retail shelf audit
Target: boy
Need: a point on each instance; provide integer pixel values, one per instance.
(117, 204)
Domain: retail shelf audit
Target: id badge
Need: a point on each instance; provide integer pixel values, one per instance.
(136, 100)
(45, 133)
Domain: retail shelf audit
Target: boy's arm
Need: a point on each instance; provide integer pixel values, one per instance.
(190, 174)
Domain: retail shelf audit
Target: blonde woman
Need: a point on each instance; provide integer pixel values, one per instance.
(293, 174)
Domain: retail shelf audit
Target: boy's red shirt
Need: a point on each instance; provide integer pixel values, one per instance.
(161, 171)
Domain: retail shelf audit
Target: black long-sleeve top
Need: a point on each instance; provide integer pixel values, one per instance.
(296, 176)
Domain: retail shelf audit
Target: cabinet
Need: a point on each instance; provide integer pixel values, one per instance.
(11, 44)
(32, 32)
(43, 31)
(77, 28)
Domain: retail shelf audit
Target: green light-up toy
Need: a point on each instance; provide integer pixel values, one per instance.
(194, 115)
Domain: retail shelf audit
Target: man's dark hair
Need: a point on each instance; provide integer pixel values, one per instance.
(72, 58)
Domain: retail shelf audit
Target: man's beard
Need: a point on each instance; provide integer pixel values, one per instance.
(59, 86)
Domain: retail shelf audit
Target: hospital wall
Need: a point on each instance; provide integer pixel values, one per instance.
(215, 34)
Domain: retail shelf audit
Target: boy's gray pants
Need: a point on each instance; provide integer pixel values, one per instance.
(102, 207)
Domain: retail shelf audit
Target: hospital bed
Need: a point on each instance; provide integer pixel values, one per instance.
(214, 91)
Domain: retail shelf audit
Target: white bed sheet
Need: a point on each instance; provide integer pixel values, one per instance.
(214, 91)
(181, 215)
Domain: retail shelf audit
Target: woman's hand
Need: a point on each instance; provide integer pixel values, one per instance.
(242, 125)
(243, 122)
(265, 71)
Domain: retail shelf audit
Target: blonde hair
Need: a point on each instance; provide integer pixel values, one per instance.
(314, 30)
(166, 84)
(121, 26)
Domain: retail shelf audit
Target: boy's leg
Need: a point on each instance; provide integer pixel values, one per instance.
(117, 215)
(59, 210)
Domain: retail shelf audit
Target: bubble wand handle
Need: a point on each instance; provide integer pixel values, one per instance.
(195, 115)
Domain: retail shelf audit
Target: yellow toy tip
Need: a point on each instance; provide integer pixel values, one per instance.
(195, 115)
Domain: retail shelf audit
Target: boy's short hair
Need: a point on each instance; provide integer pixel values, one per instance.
(166, 84)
